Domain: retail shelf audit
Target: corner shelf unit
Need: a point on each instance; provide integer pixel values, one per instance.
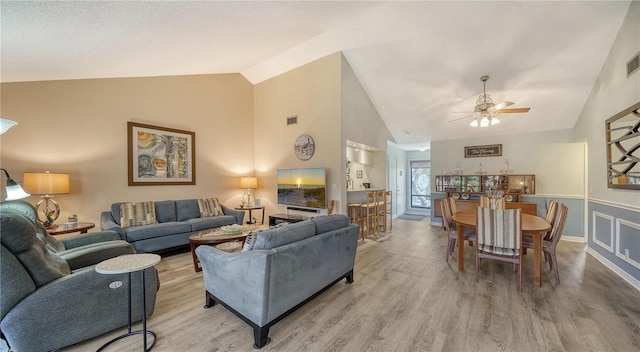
(472, 187)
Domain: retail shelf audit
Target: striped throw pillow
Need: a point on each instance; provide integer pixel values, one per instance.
(137, 214)
(210, 207)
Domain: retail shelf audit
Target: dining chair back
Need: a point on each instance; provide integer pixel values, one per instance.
(552, 211)
(549, 246)
(498, 234)
(450, 228)
(493, 202)
(452, 205)
(369, 215)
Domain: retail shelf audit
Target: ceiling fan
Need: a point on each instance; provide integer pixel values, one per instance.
(485, 111)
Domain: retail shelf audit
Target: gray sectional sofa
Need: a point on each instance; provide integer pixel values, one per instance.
(176, 221)
(287, 267)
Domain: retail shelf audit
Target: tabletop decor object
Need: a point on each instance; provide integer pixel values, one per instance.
(160, 155)
(14, 191)
(5, 125)
(47, 184)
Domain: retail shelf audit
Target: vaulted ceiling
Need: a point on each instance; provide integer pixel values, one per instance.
(420, 62)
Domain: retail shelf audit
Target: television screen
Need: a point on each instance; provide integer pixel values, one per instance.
(302, 187)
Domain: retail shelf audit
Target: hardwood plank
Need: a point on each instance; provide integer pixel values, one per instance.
(407, 298)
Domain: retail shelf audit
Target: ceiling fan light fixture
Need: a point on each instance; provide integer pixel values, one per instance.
(494, 121)
(474, 123)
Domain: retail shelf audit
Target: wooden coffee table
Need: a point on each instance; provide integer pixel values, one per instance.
(213, 237)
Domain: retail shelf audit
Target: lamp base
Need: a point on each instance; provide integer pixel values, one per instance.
(248, 198)
(50, 214)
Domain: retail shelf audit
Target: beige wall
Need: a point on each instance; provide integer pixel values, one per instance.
(79, 127)
(311, 92)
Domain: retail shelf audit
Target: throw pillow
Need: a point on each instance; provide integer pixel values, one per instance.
(250, 241)
(137, 214)
(210, 207)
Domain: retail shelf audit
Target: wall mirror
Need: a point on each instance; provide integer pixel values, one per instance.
(623, 148)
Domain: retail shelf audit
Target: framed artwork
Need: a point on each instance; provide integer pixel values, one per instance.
(160, 155)
(478, 151)
(359, 174)
(304, 147)
(622, 132)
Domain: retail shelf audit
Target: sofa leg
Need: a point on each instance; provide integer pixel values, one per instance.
(349, 277)
(208, 300)
(260, 336)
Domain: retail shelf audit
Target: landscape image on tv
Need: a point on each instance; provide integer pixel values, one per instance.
(302, 187)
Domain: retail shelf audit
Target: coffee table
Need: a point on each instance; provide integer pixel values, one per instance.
(216, 236)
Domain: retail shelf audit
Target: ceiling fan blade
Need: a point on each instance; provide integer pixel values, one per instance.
(502, 105)
(462, 118)
(513, 110)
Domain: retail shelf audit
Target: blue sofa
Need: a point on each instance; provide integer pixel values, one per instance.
(176, 221)
(288, 266)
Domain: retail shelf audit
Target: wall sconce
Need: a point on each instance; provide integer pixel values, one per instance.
(5, 125)
(14, 191)
(47, 184)
(249, 183)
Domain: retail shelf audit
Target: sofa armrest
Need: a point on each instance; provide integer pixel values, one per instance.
(239, 214)
(238, 279)
(93, 254)
(90, 238)
(84, 298)
(107, 223)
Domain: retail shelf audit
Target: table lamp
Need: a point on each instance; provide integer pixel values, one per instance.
(249, 183)
(47, 184)
(14, 191)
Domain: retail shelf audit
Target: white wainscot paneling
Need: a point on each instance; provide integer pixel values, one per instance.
(602, 234)
(628, 232)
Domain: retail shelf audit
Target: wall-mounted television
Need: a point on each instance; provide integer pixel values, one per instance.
(302, 187)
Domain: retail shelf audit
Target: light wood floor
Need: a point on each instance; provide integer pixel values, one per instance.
(406, 298)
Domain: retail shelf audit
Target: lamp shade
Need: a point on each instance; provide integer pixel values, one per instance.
(249, 182)
(45, 183)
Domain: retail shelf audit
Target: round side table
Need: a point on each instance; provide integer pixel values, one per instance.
(130, 263)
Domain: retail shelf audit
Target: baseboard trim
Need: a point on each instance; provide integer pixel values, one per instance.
(624, 275)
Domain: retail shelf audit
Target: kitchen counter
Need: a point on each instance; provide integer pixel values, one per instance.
(360, 195)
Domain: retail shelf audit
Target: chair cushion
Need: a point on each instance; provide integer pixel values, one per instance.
(279, 236)
(330, 223)
(209, 207)
(187, 209)
(198, 224)
(157, 230)
(137, 214)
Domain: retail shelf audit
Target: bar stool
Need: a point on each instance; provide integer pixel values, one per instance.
(388, 209)
(355, 214)
(381, 211)
(369, 216)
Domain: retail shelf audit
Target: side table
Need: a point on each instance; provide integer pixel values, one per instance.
(251, 209)
(82, 227)
(130, 263)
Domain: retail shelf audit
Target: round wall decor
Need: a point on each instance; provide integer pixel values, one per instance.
(304, 147)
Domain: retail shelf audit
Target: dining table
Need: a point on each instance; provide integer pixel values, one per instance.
(531, 225)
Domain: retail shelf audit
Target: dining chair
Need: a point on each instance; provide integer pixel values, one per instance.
(452, 204)
(549, 246)
(498, 234)
(552, 211)
(493, 202)
(450, 228)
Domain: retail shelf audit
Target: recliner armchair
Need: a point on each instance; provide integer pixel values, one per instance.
(45, 305)
(79, 251)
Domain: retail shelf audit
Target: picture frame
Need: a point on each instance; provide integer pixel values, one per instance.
(160, 155)
(256, 202)
(359, 174)
(479, 151)
(622, 141)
